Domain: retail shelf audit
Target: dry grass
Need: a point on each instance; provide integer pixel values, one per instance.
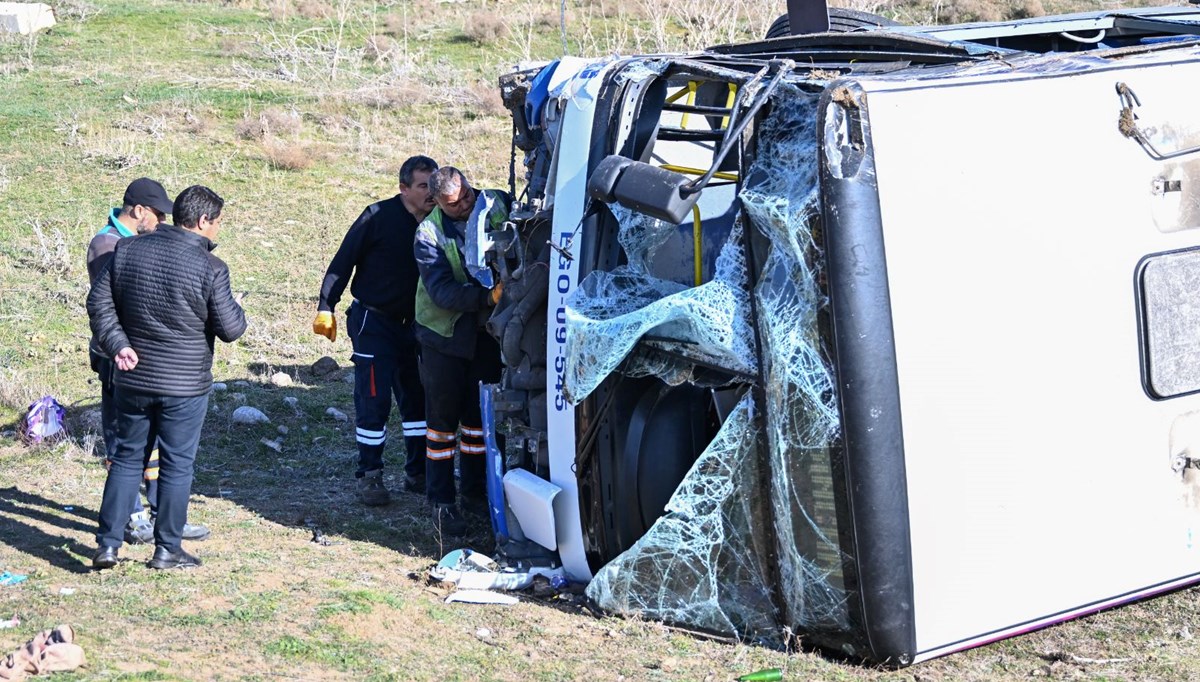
(485, 28)
(268, 123)
(285, 156)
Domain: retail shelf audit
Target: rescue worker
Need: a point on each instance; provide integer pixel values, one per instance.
(144, 206)
(456, 353)
(378, 250)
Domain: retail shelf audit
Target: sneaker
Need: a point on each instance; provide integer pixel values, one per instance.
(448, 521)
(372, 490)
(140, 529)
(195, 532)
(414, 484)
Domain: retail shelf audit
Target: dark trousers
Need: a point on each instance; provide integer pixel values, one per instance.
(177, 423)
(385, 365)
(451, 403)
(104, 369)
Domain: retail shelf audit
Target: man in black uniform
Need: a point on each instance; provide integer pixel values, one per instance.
(378, 250)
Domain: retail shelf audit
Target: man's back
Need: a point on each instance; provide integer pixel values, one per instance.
(170, 298)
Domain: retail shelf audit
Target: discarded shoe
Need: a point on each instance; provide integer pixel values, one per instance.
(164, 559)
(105, 557)
(448, 521)
(414, 484)
(195, 532)
(371, 489)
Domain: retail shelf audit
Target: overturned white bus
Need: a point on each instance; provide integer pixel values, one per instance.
(888, 339)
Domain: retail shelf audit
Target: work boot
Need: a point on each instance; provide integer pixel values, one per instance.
(448, 521)
(414, 484)
(372, 490)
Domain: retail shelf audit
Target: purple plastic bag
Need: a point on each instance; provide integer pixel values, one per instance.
(45, 422)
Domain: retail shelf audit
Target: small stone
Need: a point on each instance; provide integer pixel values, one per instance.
(241, 384)
(337, 414)
(219, 387)
(273, 444)
(291, 401)
(281, 379)
(283, 430)
(324, 366)
(250, 415)
(483, 633)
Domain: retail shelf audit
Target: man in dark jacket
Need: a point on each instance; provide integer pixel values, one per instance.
(143, 207)
(456, 354)
(378, 250)
(156, 309)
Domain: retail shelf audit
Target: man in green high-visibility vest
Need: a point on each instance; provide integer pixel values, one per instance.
(452, 306)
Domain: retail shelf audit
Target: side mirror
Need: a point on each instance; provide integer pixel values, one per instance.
(647, 189)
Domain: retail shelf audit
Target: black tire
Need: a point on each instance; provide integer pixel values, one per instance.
(841, 20)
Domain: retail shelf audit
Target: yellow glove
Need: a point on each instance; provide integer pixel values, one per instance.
(325, 325)
(496, 292)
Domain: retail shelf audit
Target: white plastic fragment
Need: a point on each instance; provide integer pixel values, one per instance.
(481, 597)
(25, 17)
(250, 415)
(64, 591)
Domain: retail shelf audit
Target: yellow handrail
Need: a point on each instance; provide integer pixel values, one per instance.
(688, 170)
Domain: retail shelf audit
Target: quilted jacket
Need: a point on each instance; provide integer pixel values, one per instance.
(167, 296)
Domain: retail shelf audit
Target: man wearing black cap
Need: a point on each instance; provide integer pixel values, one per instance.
(157, 308)
(145, 206)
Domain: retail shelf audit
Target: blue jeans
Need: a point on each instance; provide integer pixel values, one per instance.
(177, 423)
(104, 369)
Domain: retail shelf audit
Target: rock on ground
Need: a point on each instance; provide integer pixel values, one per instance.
(250, 415)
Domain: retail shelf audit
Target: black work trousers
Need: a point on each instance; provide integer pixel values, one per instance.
(104, 369)
(451, 403)
(177, 423)
(385, 365)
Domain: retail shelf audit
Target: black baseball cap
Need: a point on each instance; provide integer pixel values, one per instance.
(147, 192)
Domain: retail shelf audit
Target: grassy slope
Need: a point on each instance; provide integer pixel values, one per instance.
(179, 91)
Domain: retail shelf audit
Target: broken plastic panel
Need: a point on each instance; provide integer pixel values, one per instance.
(748, 546)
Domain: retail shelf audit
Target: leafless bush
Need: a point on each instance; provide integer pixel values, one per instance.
(283, 156)
(381, 48)
(75, 10)
(116, 160)
(397, 96)
(268, 123)
(49, 252)
(314, 9)
(483, 99)
(485, 28)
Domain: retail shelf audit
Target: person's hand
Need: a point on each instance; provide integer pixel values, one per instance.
(325, 325)
(496, 292)
(126, 359)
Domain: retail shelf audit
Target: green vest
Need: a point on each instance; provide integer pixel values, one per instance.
(428, 314)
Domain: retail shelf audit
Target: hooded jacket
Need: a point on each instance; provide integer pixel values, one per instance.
(168, 297)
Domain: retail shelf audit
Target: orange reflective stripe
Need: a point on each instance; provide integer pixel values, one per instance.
(446, 453)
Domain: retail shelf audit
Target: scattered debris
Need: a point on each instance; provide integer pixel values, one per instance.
(481, 597)
(10, 623)
(337, 414)
(294, 403)
(765, 675)
(324, 366)
(66, 591)
(281, 379)
(250, 415)
(7, 578)
(241, 384)
(283, 430)
(219, 387)
(68, 508)
(483, 633)
(44, 421)
(470, 570)
(273, 444)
